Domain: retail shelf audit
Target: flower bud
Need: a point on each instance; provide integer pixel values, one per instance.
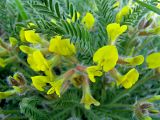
(17, 80)
(13, 41)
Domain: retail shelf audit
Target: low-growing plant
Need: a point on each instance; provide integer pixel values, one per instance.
(79, 59)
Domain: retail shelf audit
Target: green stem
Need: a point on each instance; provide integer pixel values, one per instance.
(3, 53)
(10, 59)
(128, 91)
(103, 92)
(130, 44)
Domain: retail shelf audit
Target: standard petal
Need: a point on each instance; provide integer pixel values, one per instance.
(39, 82)
(107, 57)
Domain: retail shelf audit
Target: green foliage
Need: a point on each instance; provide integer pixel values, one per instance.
(50, 18)
(28, 106)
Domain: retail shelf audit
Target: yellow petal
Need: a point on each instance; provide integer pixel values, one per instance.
(32, 37)
(127, 84)
(61, 46)
(32, 62)
(37, 61)
(87, 100)
(56, 87)
(39, 82)
(123, 12)
(13, 41)
(107, 57)
(88, 20)
(137, 60)
(26, 49)
(93, 71)
(153, 60)
(40, 60)
(54, 44)
(22, 35)
(114, 30)
(128, 80)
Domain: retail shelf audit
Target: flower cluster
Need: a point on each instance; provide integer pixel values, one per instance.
(46, 57)
(107, 57)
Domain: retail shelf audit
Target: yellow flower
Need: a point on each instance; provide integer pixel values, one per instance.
(56, 87)
(37, 61)
(153, 60)
(137, 60)
(39, 82)
(22, 35)
(123, 12)
(61, 46)
(32, 37)
(73, 18)
(93, 71)
(2, 62)
(106, 57)
(128, 80)
(114, 30)
(29, 36)
(13, 41)
(87, 98)
(27, 49)
(88, 20)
